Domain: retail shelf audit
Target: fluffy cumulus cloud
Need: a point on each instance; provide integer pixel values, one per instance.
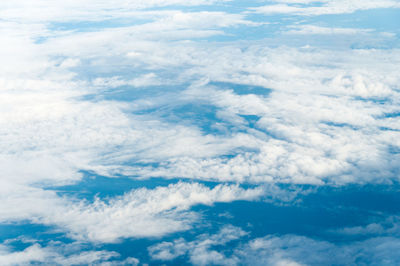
(296, 250)
(200, 250)
(35, 254)
(273, 250)
(330, 119)
(318, 124)
(139, 213)
(174, 89)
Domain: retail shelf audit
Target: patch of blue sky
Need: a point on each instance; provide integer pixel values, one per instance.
(268, 27)
(321, 214)
(40, 39)
(89, 70)
(235, 152)
(21, 235)
(251, 33)
(317, 216)
(251, 120)
(90, 26)
(375, 45)
(378, 100)
(381, 32)
(388, 129)
(105, 188)
(242, 89)
(129, 93)
(394, 149)
(197, 113)
(125, 71)
(235, 6)
(383, 20)
(333, 124)
(391, 115)
(136, 247)
(94, 186)
(337, 41)
(318, 211)
(201, 115)
(103, 24)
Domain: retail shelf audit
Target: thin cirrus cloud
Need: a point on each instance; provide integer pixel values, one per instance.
(326, 7)
(311, 29)
(90, 10)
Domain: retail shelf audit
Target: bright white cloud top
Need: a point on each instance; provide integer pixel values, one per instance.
(198, 132)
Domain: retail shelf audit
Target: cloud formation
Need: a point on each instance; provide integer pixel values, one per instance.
(176, 89)
(55, 255)
(309, 8)
(280, 250)
(139, 213)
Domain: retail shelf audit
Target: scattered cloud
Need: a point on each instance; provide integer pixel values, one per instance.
(90, 10)
(299, 250)
(200, 250)
(280, 250)
(322, 116)
(312, 29)
(55, 255)
(326, 7)
(139, 213)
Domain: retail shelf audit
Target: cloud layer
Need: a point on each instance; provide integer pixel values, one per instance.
(233, 101)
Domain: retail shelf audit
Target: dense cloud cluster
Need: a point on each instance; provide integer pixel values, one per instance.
(171, 89)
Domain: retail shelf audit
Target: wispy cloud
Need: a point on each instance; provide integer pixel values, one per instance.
(312, 29)
(326, 7)
(55, 255)
(139, 213)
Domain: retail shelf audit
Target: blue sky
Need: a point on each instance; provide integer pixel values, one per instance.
(204, 132)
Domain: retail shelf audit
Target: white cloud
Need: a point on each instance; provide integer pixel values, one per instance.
(272, 250)
(323, 122)
(327, 7)
(146, 213)
(312, 29)
(139, 213)
(89, 10)
(30, 254)
(299, 250)
(145, 80)
(200, 250)
(56, 255)
(296, 138)
(297, 1)
(390, 226)
(308, 138)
